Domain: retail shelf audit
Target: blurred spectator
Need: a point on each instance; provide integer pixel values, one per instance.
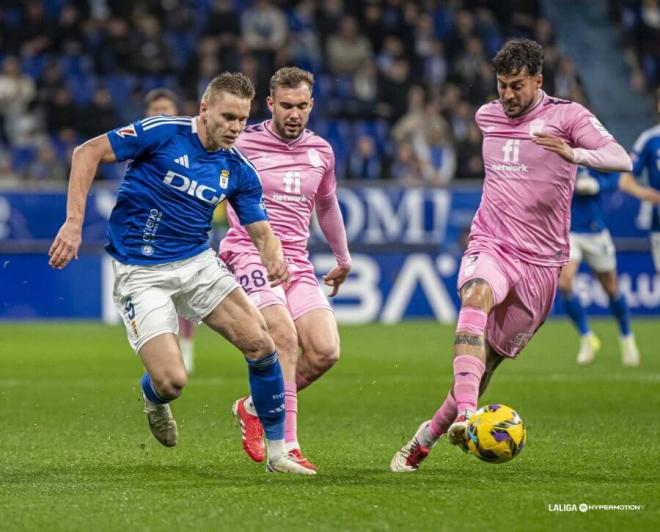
(406, 167)
(17, 91)
(99, 116)
(394, 84)
(347, 50)
(61, 113)
(151, 54)
(567, 79)
(264, 31)
(46, 167)
(469, 162)
(365, 162)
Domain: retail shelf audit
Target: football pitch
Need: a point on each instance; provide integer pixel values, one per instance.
(76, 453)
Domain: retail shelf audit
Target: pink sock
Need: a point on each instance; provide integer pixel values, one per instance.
(468, 371)
(291, 409)
(186, 328)
(443, 417)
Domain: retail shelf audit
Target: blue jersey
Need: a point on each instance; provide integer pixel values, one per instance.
(171, 188)
(587, 209)
(646, 156)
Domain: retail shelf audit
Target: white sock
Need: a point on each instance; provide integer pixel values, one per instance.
(249, 406)
(275, 448)
(425, 438)
(291, 445)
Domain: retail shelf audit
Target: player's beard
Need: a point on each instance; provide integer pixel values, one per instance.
(521, 107)
(290, 131)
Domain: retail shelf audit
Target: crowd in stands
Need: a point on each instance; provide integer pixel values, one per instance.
(640, 25)
(398, 81)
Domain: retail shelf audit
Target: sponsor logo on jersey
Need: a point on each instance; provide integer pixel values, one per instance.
(192, 187)
(520, 168)
(536, 126)
(224, 178)
(314, 158)
(183, 161)
(128, 131)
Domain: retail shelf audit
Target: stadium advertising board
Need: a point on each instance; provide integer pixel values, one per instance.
(406, 245)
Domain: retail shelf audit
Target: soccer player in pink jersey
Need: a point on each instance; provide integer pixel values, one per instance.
(297, 170)
(532, 144)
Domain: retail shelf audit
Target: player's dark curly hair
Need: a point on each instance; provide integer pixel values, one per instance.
(234, 83)
(518, 55)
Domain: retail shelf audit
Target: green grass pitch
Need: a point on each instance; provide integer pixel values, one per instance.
(76, 453)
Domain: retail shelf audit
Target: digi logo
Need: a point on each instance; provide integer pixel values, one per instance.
(193, 188)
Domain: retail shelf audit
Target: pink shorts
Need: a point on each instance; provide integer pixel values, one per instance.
(302, 295)
(523, 294)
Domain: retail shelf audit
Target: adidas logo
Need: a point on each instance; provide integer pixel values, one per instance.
(183, 161)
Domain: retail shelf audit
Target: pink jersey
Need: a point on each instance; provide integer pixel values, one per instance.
(293, 175)
(526, 202)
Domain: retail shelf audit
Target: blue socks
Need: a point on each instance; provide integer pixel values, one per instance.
(150, 392)
(576, 312)
(267, 390)
(619, 308)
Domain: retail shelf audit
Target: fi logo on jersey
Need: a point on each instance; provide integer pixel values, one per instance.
(224, 178)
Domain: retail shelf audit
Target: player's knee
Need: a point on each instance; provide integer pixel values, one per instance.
(324, 355)
(477, 294)
(258, 345)
(170, 384)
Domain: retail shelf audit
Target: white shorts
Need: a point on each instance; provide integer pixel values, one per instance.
(655, 249)
(151, 298)
(597, 250)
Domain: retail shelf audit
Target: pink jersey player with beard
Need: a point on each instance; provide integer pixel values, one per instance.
(298, 177)
(520, 230)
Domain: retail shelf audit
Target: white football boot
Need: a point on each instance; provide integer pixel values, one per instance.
(412, 454)
(589, 346)
(161, 422)
(629, 352)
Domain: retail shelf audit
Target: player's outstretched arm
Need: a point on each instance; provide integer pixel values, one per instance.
(84, 162)
(629, 185)
(611, 157)
(332, 226)
(270, 249)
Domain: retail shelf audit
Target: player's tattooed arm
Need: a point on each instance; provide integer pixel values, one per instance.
(468, 339)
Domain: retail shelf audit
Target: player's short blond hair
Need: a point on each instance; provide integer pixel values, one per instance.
(290, 78)
(234, 83)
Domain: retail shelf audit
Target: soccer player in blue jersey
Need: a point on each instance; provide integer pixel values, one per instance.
(646, 163)
(590, 241)
(181, 169)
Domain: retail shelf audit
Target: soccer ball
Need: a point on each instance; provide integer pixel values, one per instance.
(496, 434)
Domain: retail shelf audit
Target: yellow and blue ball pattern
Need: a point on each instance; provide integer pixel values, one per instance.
(496, 434)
